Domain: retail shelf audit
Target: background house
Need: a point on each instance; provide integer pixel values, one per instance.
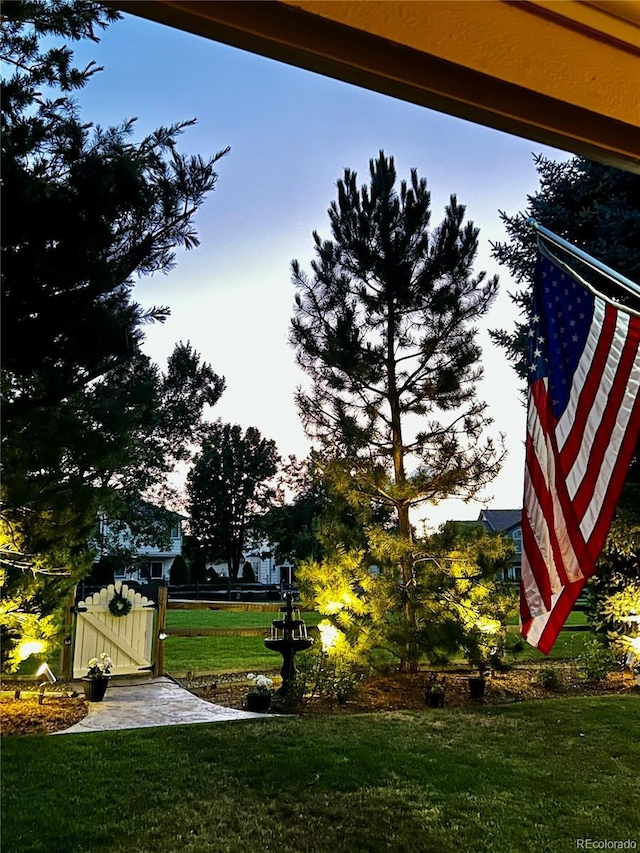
(130, 556)
(267, 570)
(509, 523)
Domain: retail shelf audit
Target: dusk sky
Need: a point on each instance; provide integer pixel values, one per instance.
(292, 133)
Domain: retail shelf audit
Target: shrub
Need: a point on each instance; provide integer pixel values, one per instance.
(548, 676)
(596, 660)
(329, 675)
(248, 575)
(179, 572)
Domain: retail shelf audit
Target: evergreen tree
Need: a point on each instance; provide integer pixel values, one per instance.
(86, 417)
(460, 605)
(593, 206)
(199, 568)
(179, 573)
(229, 487)
(248, 574)
(384, 327)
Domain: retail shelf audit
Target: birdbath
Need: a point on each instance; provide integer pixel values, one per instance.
(288, 636)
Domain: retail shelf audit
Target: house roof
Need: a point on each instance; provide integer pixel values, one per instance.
(500, 520)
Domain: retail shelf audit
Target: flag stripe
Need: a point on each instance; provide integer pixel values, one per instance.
(565, 429)
(617, 377)
(541, 631)
(570, 553)
(539, 510)
(623, 460)
(585, 394)
(537, 590)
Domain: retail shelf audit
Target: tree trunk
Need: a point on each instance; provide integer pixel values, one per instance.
(409, 659)
(236, 554)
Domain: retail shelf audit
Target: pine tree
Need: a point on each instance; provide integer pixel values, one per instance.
(229, 487)
(87, 419)
(384, 327)
(179, 573)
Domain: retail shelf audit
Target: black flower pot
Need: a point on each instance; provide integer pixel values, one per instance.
(95, 687)
(258, 701)
(476, 687)
(435, 698)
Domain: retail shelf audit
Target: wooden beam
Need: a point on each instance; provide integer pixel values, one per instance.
(563, 74)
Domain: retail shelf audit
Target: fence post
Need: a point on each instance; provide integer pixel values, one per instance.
(65, 655)
(158, 644)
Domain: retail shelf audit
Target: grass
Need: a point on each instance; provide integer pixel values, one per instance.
(223, 653)
(218, 654)
(229, 654)
(529, 777)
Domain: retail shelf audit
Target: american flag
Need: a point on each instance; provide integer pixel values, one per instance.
(583, 421)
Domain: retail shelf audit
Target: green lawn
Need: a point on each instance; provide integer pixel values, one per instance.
(530, 777)
(577, 617)
(218, 654)
(241, 654)
(223, 653)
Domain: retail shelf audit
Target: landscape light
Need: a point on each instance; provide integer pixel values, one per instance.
(49, 677)
(30, 647)
(45, 670)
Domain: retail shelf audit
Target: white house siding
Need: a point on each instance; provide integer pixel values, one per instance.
(159, 561)
(266, 570)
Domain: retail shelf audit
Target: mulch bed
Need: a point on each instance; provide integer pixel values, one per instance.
(24, 716)
(393, 692)
(400, 691)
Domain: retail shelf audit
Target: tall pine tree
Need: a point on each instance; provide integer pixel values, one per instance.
(229, 487)
(384, 327)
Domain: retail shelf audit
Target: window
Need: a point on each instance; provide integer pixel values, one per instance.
(175, 530)
(156, 569)
(516, 535)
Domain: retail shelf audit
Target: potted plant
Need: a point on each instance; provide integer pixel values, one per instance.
(96, 681)
(484, 645)
(434, 694)
(259, 696)
(477, 683)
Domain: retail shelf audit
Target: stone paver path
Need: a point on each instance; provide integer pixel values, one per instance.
(152, 702)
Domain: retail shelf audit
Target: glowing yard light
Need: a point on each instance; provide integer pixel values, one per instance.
(488, 626)
(30, 647)
(46, 673)
(329, 635)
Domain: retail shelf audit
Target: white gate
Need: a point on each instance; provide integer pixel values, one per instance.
(128, 640)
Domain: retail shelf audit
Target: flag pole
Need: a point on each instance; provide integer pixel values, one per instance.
(583, 256)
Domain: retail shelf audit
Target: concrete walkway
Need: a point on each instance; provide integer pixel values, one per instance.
(145, 703)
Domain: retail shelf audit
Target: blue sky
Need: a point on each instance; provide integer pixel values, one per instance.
(292, 133)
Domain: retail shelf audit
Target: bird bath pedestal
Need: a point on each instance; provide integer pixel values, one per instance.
(288, 637)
